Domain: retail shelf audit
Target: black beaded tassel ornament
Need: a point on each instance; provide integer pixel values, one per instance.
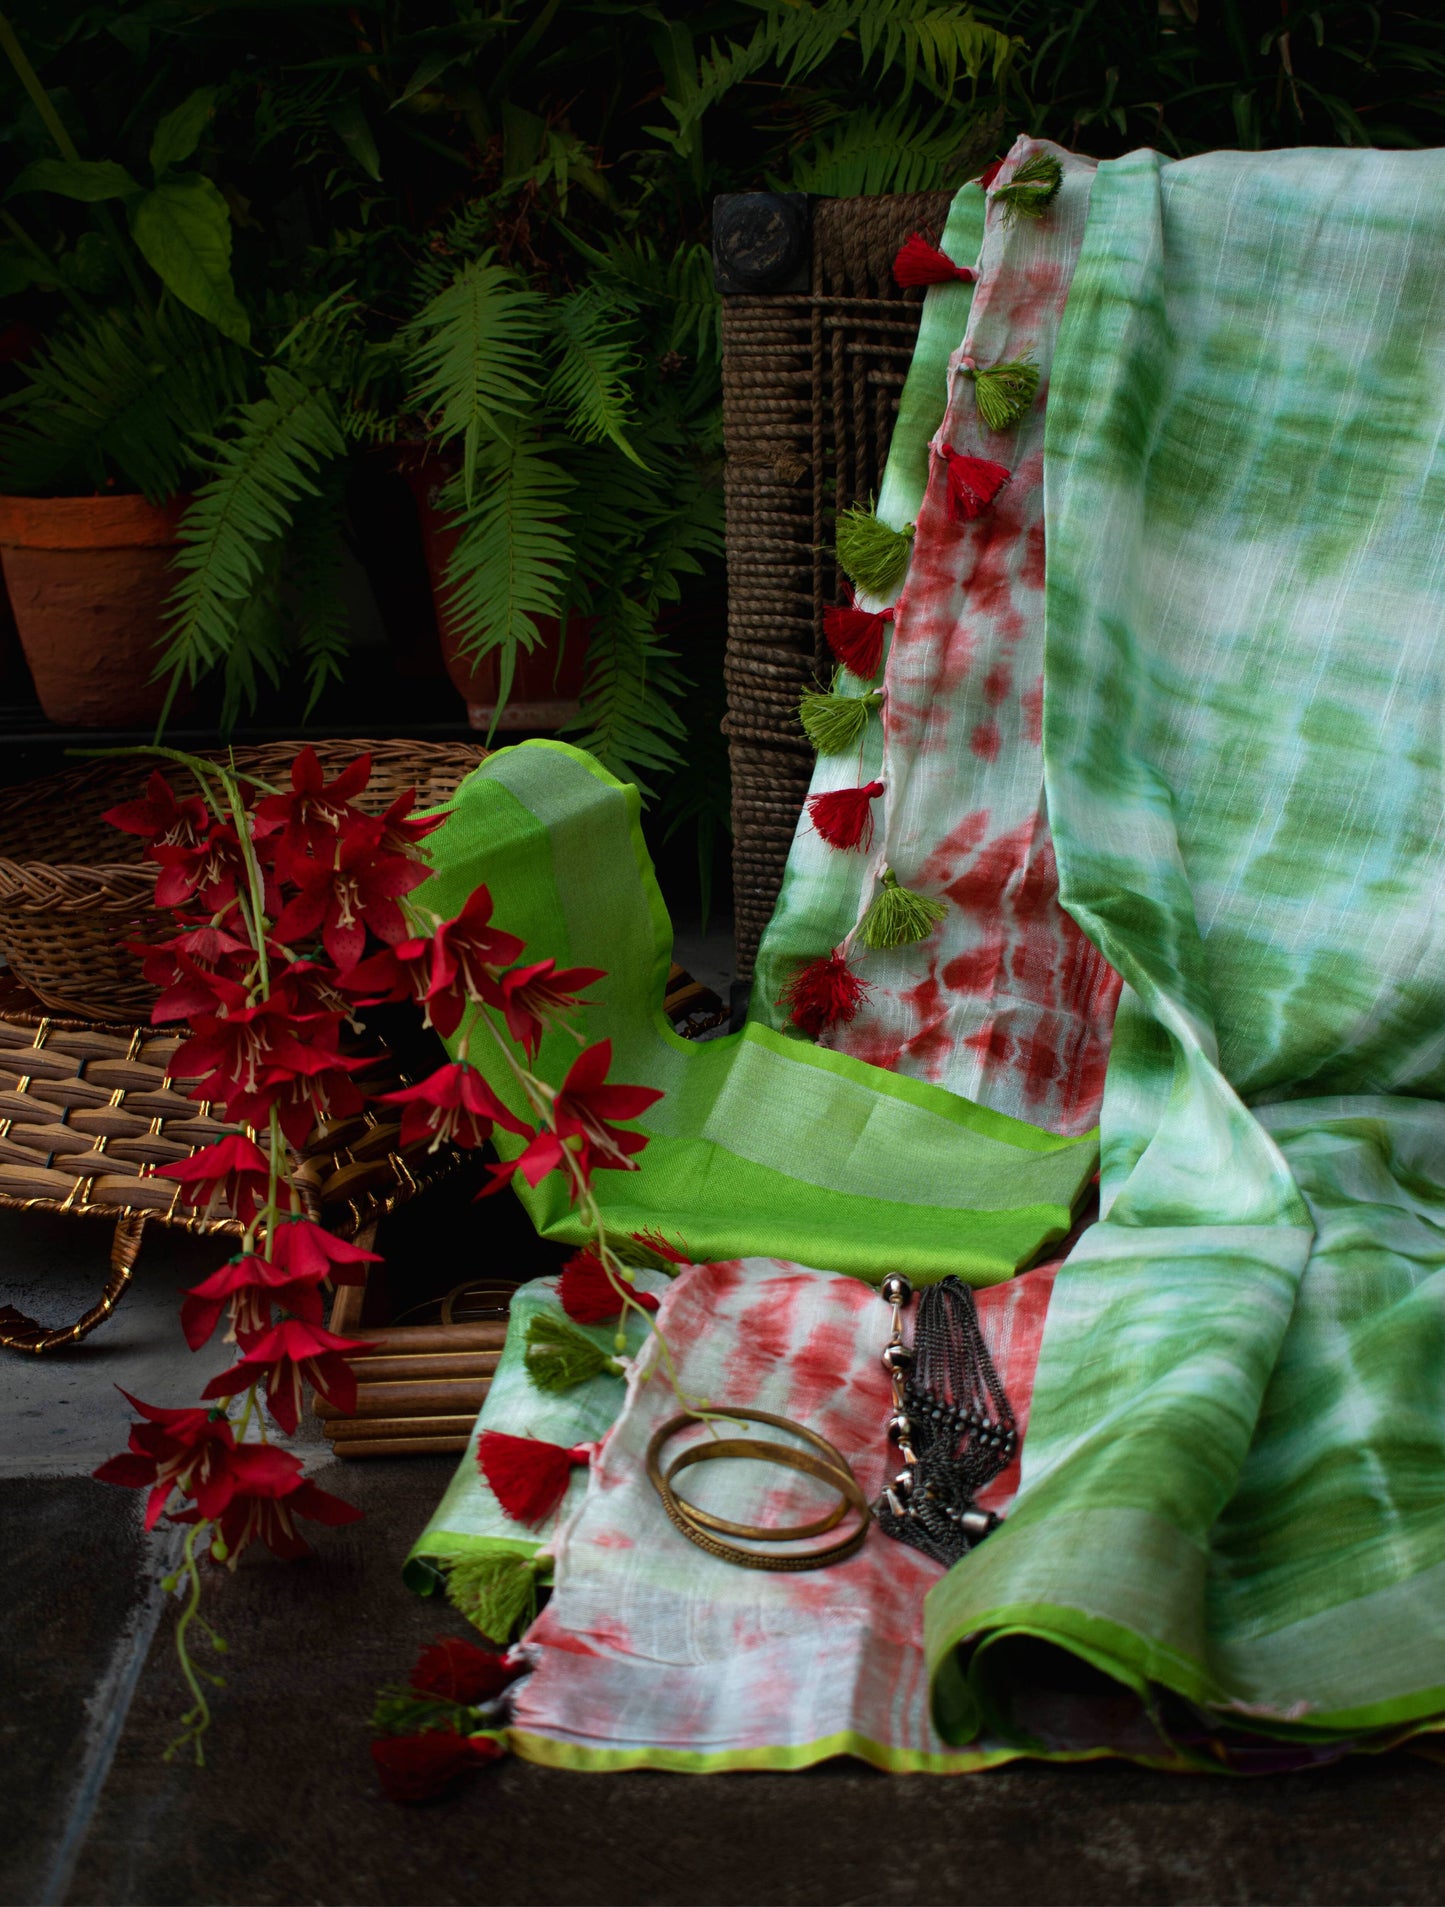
(952, 1422)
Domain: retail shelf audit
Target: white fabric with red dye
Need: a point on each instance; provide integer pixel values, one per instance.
(654, 1653)
(1006, 1002)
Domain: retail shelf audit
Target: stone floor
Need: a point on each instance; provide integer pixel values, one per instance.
(287, 1811)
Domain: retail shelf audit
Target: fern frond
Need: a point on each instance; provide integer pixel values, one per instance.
(257, 644)
(316, 612)
(679, 289)
(629, 712)
(513, 558)
(868, 152)
(244, 507)
(590, 383)
(126, 392)
(473, 357)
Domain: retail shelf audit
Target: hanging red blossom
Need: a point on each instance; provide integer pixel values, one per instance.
(309, 1252)
(208, 871)
(582, 1111)
(824, 993)
(468, 956)
(349, 889)
(286, 1357)
(531, 999)
(184, 1450)
(308, 817)
(454, 1104)
(402, 972)
(161, 820)
(234, 1169)
(266, 1493)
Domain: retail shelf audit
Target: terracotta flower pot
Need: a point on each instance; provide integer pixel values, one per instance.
(88, 580)
(548, 682)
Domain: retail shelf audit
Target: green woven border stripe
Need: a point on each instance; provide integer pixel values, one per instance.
(762, 1146)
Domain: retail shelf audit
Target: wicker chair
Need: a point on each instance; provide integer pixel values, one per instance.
(817, 340)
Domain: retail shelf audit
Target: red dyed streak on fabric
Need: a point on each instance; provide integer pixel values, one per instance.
(1032, 704)
(821, 1366)
(766, 1341)
(976, 970)
(612, 1539)
(988, 584)
(1031, 571)
(958, 842)
(986, 741)
(997, 683)
(1042, 1065)
(981, 889)
(992, 1043)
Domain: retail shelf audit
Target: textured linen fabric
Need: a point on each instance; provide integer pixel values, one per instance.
(1233, 1504)
(652, 1653)
(1006, 1002)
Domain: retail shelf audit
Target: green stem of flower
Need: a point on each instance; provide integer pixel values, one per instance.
(195, 1723)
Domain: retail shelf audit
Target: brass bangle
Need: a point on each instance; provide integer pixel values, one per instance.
(828, 1465)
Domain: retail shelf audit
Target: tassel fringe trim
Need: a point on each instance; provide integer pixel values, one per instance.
(898, 916)
(1003, 392)
(559, 1356)
(856, 638)
(1031, 188)
(528, 1478)
(872, 557)
(497, 1593)
(919, 263)
(835, 723)
(973, 484)
(823, 994)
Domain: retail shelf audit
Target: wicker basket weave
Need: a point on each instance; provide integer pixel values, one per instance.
(811, 382)
(74, 890)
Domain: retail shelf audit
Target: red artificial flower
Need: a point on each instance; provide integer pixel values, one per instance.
(159, 818)
(459, 1671)
(352, 887)
(454, 1104)
(307, 1252)
(208, 872)
(234, 1168)
(266, 1492)
(534, 998)
(182, 968)
(402, 972)
(414, 1768)
(309, 815)
(589, 1296)
(308, 1083)
(290, 1354)
(402, 829)
(250, 1056)
(184, 1450)
(581, 1114)
(249, 1285)
(468, 956)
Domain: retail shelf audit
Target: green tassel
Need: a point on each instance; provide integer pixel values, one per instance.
(1003, 392)
(899, 916)
(834, 723)
(496, 1591)
(559, 1356)
(872, 557)
(1030, 188)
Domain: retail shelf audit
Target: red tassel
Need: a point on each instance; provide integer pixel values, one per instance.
(973, 483)
(990, 173)
(844, 817)
(856, 638)
(528, 1478)
(589, 1296)
(823, 994)
(919, 263)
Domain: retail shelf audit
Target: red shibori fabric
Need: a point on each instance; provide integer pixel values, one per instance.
(651, 1652)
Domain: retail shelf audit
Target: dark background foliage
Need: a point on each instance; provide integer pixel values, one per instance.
(388, 167)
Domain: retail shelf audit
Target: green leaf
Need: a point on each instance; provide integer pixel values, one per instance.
(472, 357)
(179, 133)
(629, 716)
(17, 271)
(89, 180)
(513, 558)
(183, 228)
(590, 382)
(350, 125)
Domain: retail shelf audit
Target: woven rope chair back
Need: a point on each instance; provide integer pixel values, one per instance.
(811, 381)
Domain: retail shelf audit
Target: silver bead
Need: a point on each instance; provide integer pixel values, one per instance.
(896, 1288)
(977, 1523)
(903, 1484)
(900, 1425)
(897, 1357)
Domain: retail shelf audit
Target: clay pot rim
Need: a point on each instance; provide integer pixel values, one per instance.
(89, 523)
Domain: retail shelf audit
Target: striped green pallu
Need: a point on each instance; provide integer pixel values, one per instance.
(1233, 1498)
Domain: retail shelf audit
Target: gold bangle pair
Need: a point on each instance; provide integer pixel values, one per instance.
(828, 1465)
